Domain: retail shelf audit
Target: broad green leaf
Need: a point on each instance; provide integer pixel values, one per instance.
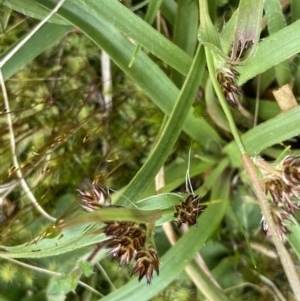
(168, 9)
(273, 131)
(161, 201)
(114, 214)
(86, 268)
(70, 239)
(185, 32)
(283, 45)
(247, 27)
(276, 22)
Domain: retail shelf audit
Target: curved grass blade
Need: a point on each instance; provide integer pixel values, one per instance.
(275, 19)
(114, 214)
(42, 40)
(283, 45)
(120, 18)
(67, 240)
(146, 174)
(168, 9)
(145, 73)
(273, 131)
(185, 32)
(149, 18)
(247, 28)
(30, 9)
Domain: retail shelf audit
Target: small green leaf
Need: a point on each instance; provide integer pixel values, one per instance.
(86, 267)
(59, 286)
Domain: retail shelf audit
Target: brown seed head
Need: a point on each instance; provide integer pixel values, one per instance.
(117, 229)
(281, 194)
(227, 79)
(146, 261)
(290, 168)
(122, 248)
(125, 239)
(279, 216)
(188, 211)
(98, 197)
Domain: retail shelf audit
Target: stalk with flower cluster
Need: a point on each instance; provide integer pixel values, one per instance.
(126, 240)
(281, 184)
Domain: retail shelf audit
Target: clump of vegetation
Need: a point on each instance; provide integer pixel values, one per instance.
(131, 132)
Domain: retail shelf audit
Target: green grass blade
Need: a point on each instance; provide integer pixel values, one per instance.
(145, 73)
(152, 11)
(227, 33)
(170, 133)
(208, 34)
(247, 28)
(31, 9)
(185, 32)
(113, 214)
(120, 18)
(148, 75)
(275, 19)
(168, 10)
(141, 32)
(149, 18)
(273, 131)
(283, 45)
(295, 10)
(67, 240)
(42, 40)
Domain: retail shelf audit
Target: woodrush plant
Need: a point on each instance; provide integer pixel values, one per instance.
(113, 27)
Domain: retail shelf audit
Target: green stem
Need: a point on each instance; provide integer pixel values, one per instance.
(284, 256)
(223, 102)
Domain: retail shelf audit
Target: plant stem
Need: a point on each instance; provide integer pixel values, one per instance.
(263, 202)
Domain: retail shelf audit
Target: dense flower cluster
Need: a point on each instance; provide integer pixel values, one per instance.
(146, 260)
(97, 198)
(188, 211)
(126, 240)
(283, 187)
(227, 79)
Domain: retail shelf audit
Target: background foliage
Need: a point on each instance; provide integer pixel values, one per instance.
(163, 112)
